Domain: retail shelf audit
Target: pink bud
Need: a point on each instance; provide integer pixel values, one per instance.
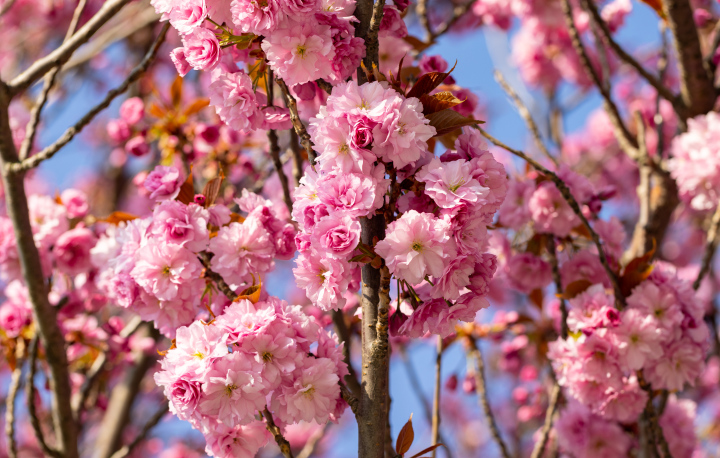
(469, 385)
(137, 146)
(118, 130)
(451, 383)
(132, 110)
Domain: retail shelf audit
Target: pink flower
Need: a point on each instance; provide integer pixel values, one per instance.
(451, 183)
(638, 338)
(677, 423)
(416, 245)
(550, 211)
(72, 250)
(132, 110)
(137, 146)
(584, 265)
(658, 302)
(233, 390)
(494, 12)
(177, 56)
(163, 269)
(238, 441)
(614, 13)
(196, 346)
(277, 351)
(258, 17)
(324, 279)
(514, 212)
(336, 236)
(48, 219)
(528, 272)
(333, 139)
(75, 201)
(187, 15)
(202, 49)
(353, 194)
(455, 277)
(403, 134)
(625, 405)
(300, 52)
(164, 183)
(241, 250)
(118, 130)
(681, 363)
(312, 396)
(695, 164)
(593, 308)
(186, 225)
(234, 100)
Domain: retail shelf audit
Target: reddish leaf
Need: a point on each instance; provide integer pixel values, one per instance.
(416, 43)
(405, 438)
(187, 191)
(574, 288)
(429, 449)
(448, 120)
(212, 189)
(117, 218)
(196, 106)
(656, 5)
(636, 271)
(176, 91)
(235, 218)
(252, 293)
(437, 102)
(536, 297)
(156, 110)
(428, 82)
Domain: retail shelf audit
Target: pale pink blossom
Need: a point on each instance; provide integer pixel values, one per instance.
(164, 182)
(550, 212)
(187, 15)
(300, 52)
(336, 236)
(201, 49)
(401, 138)
(451, 183)
(234, 100)
(72, 250)
(163, 269)
(324, 279)
(312, 396)
(258, 17)
(76, 203)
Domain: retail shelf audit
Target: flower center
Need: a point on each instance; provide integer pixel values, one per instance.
(229, 389)
(344, 149)
(417, 246)
(198, 355)
(309, 392)
(454, 186)
(301, 51)
(267, 357)
(166, 270)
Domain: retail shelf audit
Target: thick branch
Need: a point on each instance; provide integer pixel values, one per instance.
(70, 133)
(43, 313)
(475, 354)
(277, 434)
(61, 54)
(696, 82)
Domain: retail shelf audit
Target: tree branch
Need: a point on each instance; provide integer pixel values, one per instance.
(558, 286)
(274, 146)
(13, 390)
(570, 199)
(525, 114)
(475, 354)
(343, 332)
(296, 121)
(436, 395)
(154, 420)
(547, 426)
(30, 395)
(61, 54)
(277, 434)
(710, 246)
(49, 81)
(70, 133)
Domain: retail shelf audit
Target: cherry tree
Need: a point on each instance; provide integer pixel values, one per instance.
(243, 146)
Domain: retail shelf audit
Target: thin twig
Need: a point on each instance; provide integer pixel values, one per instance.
(436, 395)
(344, 334)
(154, 420)
(623, 135)
(624, 56)
(277, 434)
(312, 443)
(547, 426)
(458, 12)
(205, 258)
(351, 400)
(70, 133)
(475, 354)
(710, 246)
(525, 114)
(710, 58)
(61, 54)
(297, 156)
(81, 398)
(30, 395)
(570, 199)
(48, 82)
(558, 286)
(274, 146)
(421, 10)
(296, 121)
(6, 7)
(13, 390)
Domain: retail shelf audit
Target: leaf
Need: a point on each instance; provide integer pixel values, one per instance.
(196, 106)
(156, 110)
(429, 449)
(235, 218)
(176, 91)
(405, 438)
(416, 43)
(448, 120)
(251, 293)
(637, 270)
(437, 102)
(574, 288)
(657, 6)
(212, 189)
(536, 297)
(116, 218)
(187, 191)
(428, 82)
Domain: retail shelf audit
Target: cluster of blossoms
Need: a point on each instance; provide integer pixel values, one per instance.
(218, 376)
(695, 163)
(442, 227)
(661, 335)
(152, 265)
